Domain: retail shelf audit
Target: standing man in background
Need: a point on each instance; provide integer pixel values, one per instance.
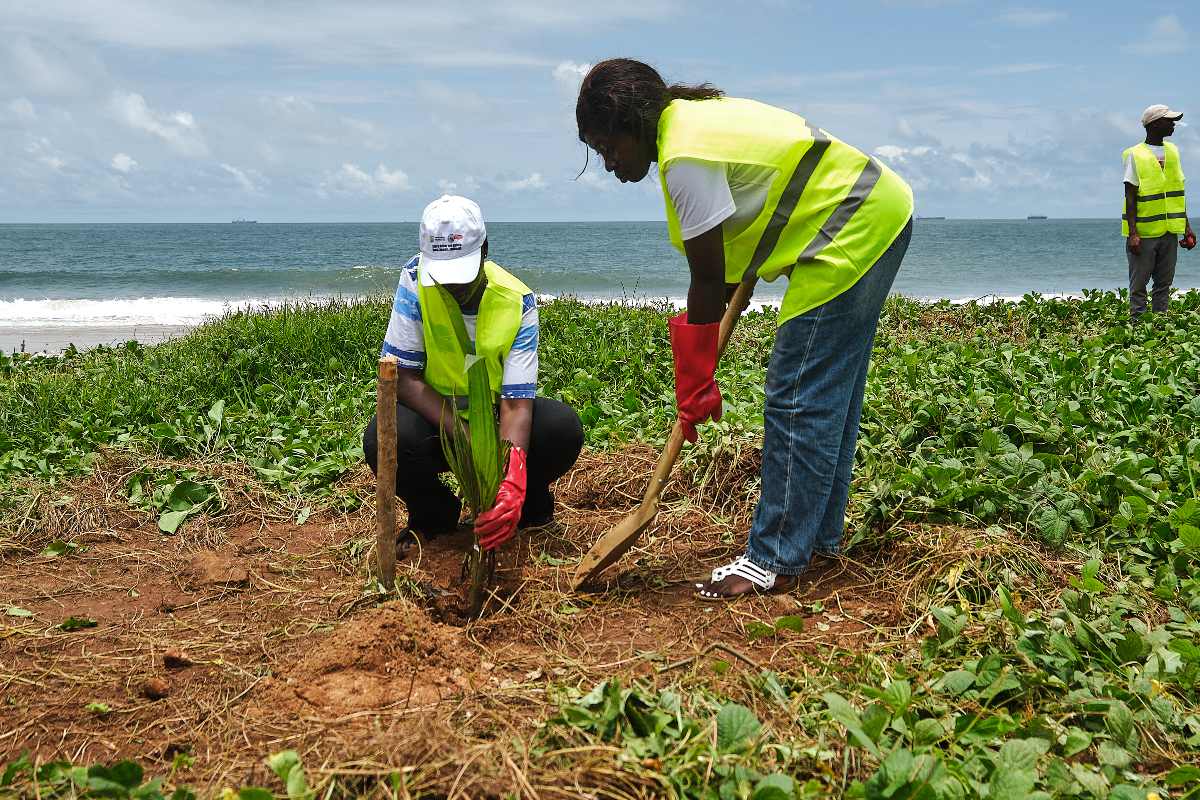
(1155, 212)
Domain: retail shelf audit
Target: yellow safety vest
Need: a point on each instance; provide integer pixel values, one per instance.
(495, 330)
(830, 212)
(1160, 203)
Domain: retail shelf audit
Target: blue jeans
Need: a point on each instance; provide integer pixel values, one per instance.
(815, 384)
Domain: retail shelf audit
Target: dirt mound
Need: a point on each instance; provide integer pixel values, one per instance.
(393, 656)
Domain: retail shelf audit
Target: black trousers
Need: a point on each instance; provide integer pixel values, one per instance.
(555, 439)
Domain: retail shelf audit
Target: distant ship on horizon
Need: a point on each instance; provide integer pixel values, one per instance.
(1037, 216)
(921, 217)
(245, 222)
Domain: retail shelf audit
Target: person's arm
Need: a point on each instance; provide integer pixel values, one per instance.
(706, 262)
(1135, 241)
(516, 420)
(413, 392)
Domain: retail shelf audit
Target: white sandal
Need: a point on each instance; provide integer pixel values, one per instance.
(762, 580)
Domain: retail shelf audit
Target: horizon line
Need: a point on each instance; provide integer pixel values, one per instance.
(928, 218)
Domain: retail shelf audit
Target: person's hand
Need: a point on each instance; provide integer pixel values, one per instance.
(497, 525)
(697, 396)
(1135, 243)
(1189, 239)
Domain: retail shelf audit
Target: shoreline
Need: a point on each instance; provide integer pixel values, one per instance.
(51, 338)
(54, 339)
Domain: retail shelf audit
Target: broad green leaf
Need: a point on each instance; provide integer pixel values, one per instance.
(791, 622)
(1090, 779)
(927, 731)
(59, 547)
(736, 726)
(1180, 776)
(1189, 538)
(842, 712)
(170, 521)
(286, 765)
(1131, 647)
(254, 793)
(188, 494)
(957, 681)
(1119, 721)
(1113, 755)
(897, 696)
(17, 611)
(1022, 753)
(217, 412)
(774, 787)
(126, 774)
(1076, 742)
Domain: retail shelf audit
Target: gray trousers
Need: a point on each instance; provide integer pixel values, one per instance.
(1156, 260)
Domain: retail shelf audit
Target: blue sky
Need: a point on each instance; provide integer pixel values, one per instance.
(151, 110)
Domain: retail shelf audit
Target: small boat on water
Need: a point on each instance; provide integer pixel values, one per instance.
(245, 222)
(1037, 216)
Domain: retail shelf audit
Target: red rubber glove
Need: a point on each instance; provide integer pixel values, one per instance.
(497, 525)
(1188, 241)
(696, 394)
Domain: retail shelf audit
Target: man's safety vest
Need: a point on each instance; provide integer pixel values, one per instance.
(495, 329)
(830, 212)
(1160, 206)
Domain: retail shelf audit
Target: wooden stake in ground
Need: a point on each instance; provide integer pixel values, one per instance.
(619, 538)
(385, 472)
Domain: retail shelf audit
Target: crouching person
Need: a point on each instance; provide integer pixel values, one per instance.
(501, 319)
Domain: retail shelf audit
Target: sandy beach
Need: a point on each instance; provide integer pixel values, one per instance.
(55, 339)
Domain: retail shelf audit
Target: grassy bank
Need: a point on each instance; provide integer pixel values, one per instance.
(1051, 646)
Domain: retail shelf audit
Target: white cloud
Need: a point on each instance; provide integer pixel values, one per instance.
(570, 74)
(366, 133)
(243, 178)
(1165, 36)
(177, 129)
(593, 180)
(123, 163)
(23, 109)
(41, 67)
(1030, 17)
(290, 104)
(465, 186)
(1016, 69)
(45, 153)
(534, 182)
(353, 180)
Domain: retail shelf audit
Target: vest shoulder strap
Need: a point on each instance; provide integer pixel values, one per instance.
(498, 276)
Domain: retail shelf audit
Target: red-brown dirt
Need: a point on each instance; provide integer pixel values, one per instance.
(245, 636)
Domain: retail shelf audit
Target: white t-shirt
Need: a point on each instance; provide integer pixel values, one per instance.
(708, 193)
(1160, 152)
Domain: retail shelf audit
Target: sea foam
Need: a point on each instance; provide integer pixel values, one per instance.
(119, 312)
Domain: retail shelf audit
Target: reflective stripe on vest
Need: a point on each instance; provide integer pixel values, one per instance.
(495, 329)
(829, 214)
(1161, 207)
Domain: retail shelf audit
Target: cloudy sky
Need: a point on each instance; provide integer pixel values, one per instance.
(155, 110)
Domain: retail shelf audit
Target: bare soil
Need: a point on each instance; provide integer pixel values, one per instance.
(247, 634)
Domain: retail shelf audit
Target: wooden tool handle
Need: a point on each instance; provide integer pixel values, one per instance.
(385, 472)
(670, 453)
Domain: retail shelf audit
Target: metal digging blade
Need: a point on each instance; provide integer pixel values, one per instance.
(617, 540)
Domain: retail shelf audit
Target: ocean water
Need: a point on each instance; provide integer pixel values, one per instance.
(93, 276)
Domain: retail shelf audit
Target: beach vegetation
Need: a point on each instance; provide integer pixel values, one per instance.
(1017, 613)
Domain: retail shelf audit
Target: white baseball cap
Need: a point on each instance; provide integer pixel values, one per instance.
(1159, 112)
(452, 235)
